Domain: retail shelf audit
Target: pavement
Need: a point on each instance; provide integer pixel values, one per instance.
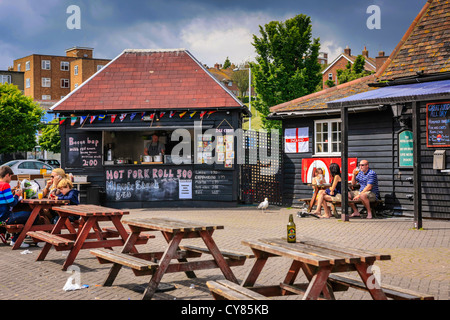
(420, 258)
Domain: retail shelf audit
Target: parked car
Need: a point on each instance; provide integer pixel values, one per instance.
(28, 166)
(53, 162)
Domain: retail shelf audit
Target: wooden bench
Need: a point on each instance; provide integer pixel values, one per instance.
(227, 290)
(373, 205)
(53, 239)
(225, 253)
(112, 232)
(393, 292)
(125, 259)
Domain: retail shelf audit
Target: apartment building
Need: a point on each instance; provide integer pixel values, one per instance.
(50, 78)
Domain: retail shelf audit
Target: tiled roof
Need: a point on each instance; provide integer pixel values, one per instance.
(426, 46)
(149, 80)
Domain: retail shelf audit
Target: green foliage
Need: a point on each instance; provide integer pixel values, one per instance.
(20, 120)
(50, 138)
(353, 72)
(330, 83)
(240, 78)
(227, 63)
(287, 66)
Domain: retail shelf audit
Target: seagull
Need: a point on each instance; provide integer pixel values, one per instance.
(263, 205)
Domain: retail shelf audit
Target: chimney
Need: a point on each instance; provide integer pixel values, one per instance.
(380, 59)
(348, 51)
(365, 53)
(217, 66)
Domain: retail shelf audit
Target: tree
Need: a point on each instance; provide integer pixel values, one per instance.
(352, 72)
(227, 63)
(20, 119)
(287, 65)
(50, 138)
(240, 78)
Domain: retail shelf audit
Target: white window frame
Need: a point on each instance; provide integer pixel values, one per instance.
(46, 97)
(46, 65)
(46, 82)
(330, 76)
(328, 139)
(27, 66)
(5, 78)
(75, 70)
(65, 83)
(65, 66)
(19, 67)
(27, 83)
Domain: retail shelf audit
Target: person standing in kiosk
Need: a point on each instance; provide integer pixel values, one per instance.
(155, 147)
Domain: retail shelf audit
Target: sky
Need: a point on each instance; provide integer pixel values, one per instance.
(211, 30)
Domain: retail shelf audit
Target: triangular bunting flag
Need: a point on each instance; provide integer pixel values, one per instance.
(122, 117)
(132, 115)
(202, 114)
(172, 113)
(82, 119)
(61, 120)
(192, 114)
(101, 117)
(92, 119)
(142, 116)
(182, 114)
(161, 114)
(152, 116)
(73, 120)
(113, 118)
(210, 113)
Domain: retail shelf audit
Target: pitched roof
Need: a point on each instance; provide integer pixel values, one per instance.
(149, 80)
(426, 44)
(369, 63)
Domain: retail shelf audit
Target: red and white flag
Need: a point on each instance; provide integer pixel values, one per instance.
(113, 118)
(296, 140)
(122, 116)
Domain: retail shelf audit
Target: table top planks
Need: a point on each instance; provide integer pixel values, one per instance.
(45, 201)
(170, 225)
(88, 210)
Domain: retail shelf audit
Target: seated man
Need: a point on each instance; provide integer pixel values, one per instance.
(368, 191)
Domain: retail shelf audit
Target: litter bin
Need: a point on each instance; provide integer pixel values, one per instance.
(94, 195)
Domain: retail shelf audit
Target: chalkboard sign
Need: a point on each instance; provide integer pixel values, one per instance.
(213, 185)
(438, 124)
(84, 150)
(145, 183)
(406, 149)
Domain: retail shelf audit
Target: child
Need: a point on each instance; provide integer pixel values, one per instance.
(67, 192)
(318, 177)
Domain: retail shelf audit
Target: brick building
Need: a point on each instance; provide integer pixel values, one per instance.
(49, 77)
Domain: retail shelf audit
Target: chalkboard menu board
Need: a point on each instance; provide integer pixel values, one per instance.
(84, 150)
(438, 124)
(213, 185)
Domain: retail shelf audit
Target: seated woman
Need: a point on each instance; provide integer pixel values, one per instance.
(66, 192)
(51, 187)
(331, 194)
(8, 200)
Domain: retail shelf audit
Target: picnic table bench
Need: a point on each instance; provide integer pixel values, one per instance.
(227, 290)
(173, 232)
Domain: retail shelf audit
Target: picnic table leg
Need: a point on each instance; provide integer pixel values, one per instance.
(170, 253)
(309, 273)
(374, 289)
(313, 199)
(189, 274)
(116, 267)
(318, 283)
(124, 234)
(252, 275)
(56, 230)
(34, 214)
(79, 242)
(218, 257)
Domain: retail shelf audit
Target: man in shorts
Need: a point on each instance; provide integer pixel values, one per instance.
(368, 191)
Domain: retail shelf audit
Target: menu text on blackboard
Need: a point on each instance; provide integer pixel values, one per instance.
(438, 124)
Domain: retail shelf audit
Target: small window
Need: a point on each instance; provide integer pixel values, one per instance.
(19, 67)
(65, 83)
(45, 64)
(46, 82)
(327, 135)
(27, 66)
(65, 66)
(330, 76)
(27, 83)
(5, 79)
(75, 70)
(46, 97)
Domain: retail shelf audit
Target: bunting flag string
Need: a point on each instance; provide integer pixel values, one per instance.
(210, 113)
(192, 114)
(142, 116)
(161, 114)
(182, 114)
(172, 113)
(82, 119)
(122, 117)
(202, 114)
(92, 119)
(132, 116)
(152, 116)
(113, 118)
(62, 119)
(73, 120)
(101, 117)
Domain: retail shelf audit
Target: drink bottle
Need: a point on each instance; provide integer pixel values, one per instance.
(291, 230)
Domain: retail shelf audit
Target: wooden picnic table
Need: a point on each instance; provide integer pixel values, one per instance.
(83, 238)
(37, 207)
(173, 232)
(319, 261)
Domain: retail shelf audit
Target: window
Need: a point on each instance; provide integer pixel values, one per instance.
(76, 85)
(65, 66)
(27, 66)
(327, 137)
(64, 83)
(19, 67)
(5, 78)
(330, 76)
(75, 71)
(46, 97)
(27, 83)
(45, 64)
(46, 82)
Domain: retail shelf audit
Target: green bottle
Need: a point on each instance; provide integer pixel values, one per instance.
(291, 238)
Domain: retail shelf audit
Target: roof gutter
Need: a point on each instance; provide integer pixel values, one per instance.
(322, 112)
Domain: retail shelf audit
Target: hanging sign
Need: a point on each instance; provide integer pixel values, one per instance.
(405, 149)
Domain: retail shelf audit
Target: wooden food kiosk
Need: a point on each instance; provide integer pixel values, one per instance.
(147, 100)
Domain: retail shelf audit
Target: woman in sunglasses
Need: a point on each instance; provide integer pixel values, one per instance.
(51, 188)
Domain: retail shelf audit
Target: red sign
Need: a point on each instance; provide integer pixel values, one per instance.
(309, 166)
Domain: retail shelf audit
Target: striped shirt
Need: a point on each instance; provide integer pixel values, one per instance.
(7, 200)
(370, 177)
